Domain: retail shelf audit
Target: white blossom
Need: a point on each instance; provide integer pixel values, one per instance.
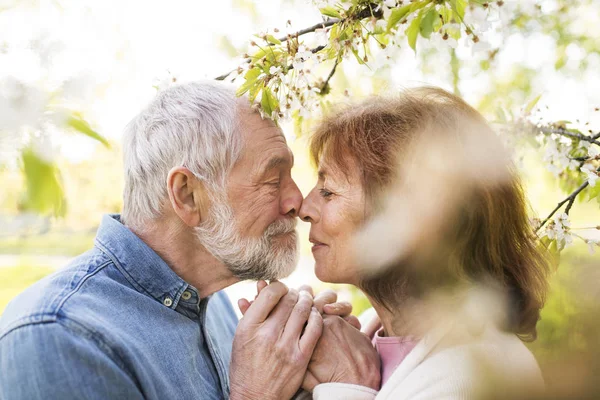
(593, 151)
(559, 229)
(592, 175)
(321, 37)
(478, 17)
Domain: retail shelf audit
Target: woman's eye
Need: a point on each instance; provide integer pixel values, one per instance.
(275, 184)
(325, 193)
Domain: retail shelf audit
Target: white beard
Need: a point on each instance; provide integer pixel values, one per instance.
(249, 258)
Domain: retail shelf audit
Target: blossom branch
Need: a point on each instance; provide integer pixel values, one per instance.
(570, 200)
(370, 10)
(322, 25)
(573, 135)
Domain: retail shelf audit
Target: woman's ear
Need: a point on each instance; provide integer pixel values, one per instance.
(187, 195)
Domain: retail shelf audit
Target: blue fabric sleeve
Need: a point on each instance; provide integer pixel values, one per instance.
(50, 360)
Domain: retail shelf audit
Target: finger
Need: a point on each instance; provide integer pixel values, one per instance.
(298, 317)
(325, 297)
(352, 320)
(309, 382)
(312, 332)
(280, 315)
(243, 305)
(265, 302)
(260, 285)
(341, 308)
(372, 327)
(307, 288)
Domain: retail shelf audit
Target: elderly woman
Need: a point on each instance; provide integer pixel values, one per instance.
(441, 338)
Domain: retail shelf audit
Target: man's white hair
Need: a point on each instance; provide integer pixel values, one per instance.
(193, 125)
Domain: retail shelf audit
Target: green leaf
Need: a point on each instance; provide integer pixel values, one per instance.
(459, 6)
(532, 104)
(593, 192)
(446, 14)
(330, 12)
(268, 102)
(250, 77)
(273, 40)
(426, 26)
(412, 32)
(44, 190)
(79, 124)
(397, 15)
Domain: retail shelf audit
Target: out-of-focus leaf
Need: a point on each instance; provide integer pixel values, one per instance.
(80, 125)
(330, 12)
(412, 32)
(426, 27)
(459, 6)
(228, 47)
(44, 191)
(532, 104)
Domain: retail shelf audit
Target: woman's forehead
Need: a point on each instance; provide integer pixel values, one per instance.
(340, 166)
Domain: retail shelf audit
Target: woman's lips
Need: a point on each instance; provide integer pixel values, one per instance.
(317, 245)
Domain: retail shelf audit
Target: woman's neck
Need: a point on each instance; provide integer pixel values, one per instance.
(412, 317)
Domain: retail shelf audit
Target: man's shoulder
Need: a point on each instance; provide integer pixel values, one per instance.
(44, 301)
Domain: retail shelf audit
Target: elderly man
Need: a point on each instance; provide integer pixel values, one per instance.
(208, 201)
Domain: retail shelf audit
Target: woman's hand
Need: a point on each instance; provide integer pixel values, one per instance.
(273, 344)
(325, 302)
(344, 355)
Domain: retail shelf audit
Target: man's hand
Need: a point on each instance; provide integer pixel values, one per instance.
(325, 302)
(344, 355)
(272, 346)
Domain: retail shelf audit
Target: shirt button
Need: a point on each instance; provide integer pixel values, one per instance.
(186, 295)
(168, 302)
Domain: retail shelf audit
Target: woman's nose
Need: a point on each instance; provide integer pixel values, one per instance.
(308, 210)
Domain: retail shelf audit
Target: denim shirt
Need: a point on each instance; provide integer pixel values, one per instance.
(117, 323)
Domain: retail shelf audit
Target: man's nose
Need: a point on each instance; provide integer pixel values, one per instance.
(291, 201)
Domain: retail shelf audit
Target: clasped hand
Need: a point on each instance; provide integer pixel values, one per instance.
(287, 339)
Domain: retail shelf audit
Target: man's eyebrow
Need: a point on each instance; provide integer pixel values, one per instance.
(275, 162)
(322, 174)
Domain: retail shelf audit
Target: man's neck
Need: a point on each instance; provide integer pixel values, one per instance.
(187, 258)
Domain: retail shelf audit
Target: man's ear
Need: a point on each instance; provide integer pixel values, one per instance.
(187, 195)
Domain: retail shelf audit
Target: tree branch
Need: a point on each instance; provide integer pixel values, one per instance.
(370, 10)
(321, 25)
(564, 132)
(325, 86)
(570, 199)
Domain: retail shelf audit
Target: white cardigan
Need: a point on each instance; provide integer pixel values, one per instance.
(455, 362)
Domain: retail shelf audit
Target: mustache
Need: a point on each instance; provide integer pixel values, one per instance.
(281, 226)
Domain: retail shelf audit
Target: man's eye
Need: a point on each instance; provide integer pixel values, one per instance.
(325, 193)
(275, 184)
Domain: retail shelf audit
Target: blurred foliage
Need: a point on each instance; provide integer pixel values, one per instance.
(16, 278)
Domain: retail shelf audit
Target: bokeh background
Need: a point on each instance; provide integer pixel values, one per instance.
(110, 57)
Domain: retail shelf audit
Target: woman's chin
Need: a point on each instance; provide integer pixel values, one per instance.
(326, 274)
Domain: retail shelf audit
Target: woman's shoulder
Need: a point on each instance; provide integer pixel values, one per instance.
(471, 366)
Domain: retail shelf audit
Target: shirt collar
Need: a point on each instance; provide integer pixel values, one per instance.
(142, 267)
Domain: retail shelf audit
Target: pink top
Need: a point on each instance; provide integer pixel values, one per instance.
(392, 351)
